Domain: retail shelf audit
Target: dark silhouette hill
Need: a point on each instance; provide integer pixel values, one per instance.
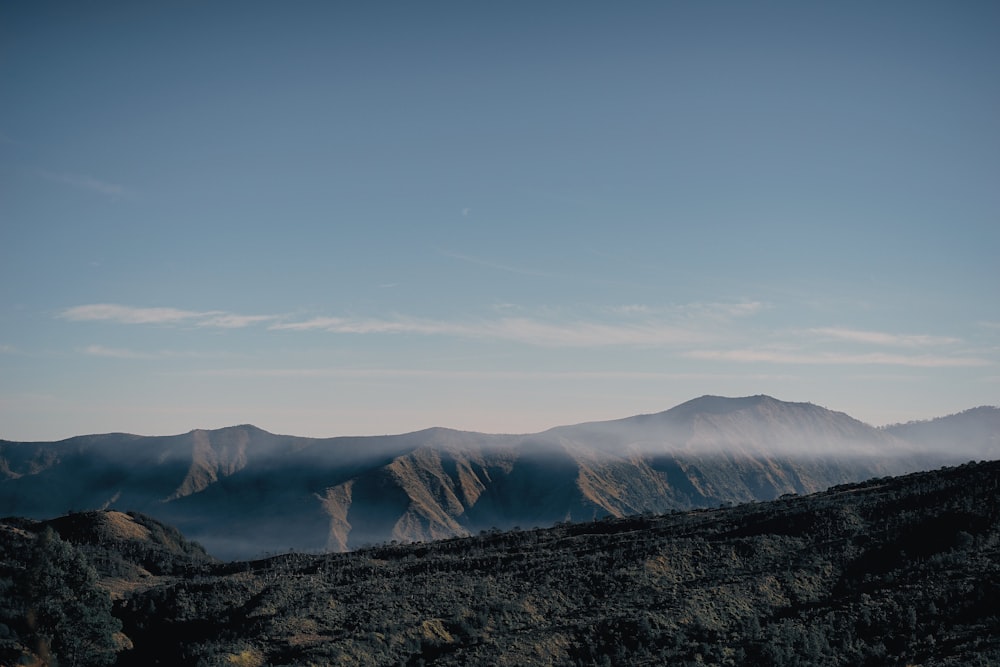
(242, 491)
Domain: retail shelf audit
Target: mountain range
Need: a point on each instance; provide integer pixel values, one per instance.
(241, 491)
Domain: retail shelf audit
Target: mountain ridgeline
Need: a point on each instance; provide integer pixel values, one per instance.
(242, 491)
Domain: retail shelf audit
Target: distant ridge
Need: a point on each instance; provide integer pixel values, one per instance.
(721, 404)
(242, 491)
(973, 433)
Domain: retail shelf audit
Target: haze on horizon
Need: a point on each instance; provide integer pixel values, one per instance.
(330, 219)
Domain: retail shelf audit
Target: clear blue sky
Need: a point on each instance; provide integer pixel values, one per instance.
(330, 218)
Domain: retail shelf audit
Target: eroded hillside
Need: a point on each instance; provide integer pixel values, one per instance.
(243, 492)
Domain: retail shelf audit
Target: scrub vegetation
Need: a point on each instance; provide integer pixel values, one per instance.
(894, 571)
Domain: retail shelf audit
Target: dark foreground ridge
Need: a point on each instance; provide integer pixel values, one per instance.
(894, 571)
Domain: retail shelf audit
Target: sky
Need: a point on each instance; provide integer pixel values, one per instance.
(354, 218)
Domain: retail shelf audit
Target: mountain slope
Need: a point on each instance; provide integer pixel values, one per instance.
(896, 571)
(242, 491)
(973, 433)
(752, 426)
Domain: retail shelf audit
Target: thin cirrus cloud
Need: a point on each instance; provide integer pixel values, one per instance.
(84, 182)
(109, 312)
(882, 338)
(722, 312)
(914, 350)
(150, 355)
(708, 312)
(645, 332)
(635, 325)
(500, 266)
(836, 358)
(516, 329)
(440, 373)
(127, 315)
(233, 321)
(115, 352)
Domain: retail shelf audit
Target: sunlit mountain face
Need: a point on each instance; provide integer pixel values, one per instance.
(241, 491)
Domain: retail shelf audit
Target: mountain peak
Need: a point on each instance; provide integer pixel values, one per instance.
(248, 428)
(724, 404)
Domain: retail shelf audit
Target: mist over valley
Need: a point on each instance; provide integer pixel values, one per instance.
(243, 492)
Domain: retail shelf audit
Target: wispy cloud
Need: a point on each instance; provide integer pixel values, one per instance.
(517, 329)
(705, 311)
(233, 321)
(147, 355)
(129, 315)
(443, 373)
(84, 182)
(847, 346)
(577, 278)
(115, 352)
(882, 338)
(631, 309)
(631, 325)
(720, 311)
(751, 355)
(588, 334)
(110, 312)
(700, 331)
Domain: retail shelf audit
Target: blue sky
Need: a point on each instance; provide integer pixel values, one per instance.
(358, 218)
